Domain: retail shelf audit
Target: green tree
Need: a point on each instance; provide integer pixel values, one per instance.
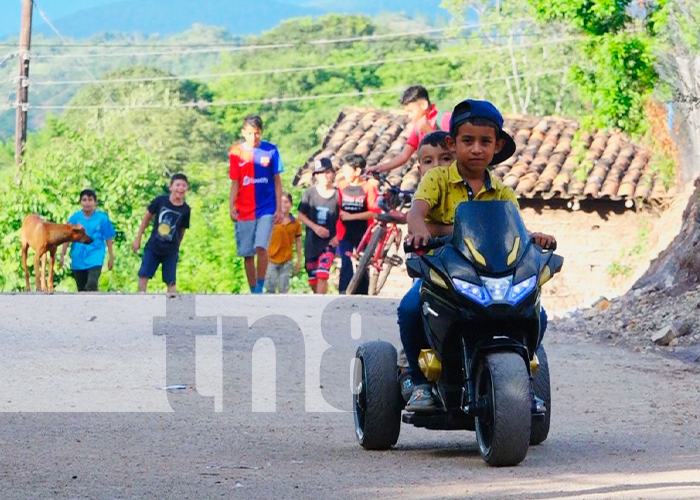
(522, 65)
(127, 157)
(617, 74)
(609, 46)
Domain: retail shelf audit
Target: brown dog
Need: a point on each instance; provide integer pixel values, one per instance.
(45, 237)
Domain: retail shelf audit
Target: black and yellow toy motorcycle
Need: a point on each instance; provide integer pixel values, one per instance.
(480, 300)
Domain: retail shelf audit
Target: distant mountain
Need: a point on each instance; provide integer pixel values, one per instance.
(172, 16)
(54, 9)
(427, 8)
(84, 18)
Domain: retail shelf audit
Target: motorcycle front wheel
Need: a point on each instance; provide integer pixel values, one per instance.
(503, 390)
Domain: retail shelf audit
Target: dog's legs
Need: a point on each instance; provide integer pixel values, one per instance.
(52, 261)
(37, 270)
(25, 252)
(43, 272)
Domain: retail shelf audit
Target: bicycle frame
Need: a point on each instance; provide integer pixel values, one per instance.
(378, 263)
(392, 231)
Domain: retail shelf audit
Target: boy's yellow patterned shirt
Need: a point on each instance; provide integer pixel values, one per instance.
(443, 189)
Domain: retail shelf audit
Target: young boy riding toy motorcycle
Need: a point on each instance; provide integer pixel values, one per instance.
(477, 140)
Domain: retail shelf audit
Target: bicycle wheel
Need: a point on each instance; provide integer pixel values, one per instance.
(377, 280)
(365, 260)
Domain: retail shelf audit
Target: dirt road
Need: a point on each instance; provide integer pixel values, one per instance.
(85, 415)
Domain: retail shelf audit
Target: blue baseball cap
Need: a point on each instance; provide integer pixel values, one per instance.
(469, 109)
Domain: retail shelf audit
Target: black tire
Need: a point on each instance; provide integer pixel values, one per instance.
(378, 402)
(373, 278)
(503, 432)
(365, 259)
(542, 388)
(378, 280)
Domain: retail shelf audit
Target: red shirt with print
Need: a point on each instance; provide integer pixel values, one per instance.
(355, 199)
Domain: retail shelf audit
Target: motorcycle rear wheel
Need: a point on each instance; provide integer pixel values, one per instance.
(541, 386)
(503, 387)
(377, 402)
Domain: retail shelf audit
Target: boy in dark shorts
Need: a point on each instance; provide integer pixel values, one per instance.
(358, 206)
(87, 258)
(163, 247)
(432, 152)
(318, 210)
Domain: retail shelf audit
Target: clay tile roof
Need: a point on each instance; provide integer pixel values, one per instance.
(548, 162)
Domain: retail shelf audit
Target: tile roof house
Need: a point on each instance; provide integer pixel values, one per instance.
(548, 163)
(599, 195)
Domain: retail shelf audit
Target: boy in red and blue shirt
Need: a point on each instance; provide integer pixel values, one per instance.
(256, 192)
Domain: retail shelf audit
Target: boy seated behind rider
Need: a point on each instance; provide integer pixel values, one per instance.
(478, 140)
(432, 152)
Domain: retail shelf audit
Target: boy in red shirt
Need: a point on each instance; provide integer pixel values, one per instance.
(425, 119)
(358, 205)
(256, 193)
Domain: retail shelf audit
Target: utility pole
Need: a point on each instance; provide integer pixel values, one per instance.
(25, 41)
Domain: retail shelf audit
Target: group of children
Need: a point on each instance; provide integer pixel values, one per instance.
(172, 218)
(454, 151)
(266, 232)
(336, 218)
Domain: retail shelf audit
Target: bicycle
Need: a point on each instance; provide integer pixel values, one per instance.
(378, 250)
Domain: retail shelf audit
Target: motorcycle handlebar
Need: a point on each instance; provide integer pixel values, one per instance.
(551, 248)
(432, 244)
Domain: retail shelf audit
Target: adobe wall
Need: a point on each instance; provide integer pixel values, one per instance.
(603, 246)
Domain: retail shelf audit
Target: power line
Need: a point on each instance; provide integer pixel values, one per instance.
(7, 57)
(277, 100)
(217, 50)
(7, 104)
(104, 91)
(108, 45)
(377, 62)
(243, 48)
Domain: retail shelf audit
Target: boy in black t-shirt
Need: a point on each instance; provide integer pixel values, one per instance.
(163, 246)
(318, 210)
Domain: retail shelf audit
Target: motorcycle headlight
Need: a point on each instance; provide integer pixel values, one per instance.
(498, 287)
(475, 292)
(496, 290)
(521, 290)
